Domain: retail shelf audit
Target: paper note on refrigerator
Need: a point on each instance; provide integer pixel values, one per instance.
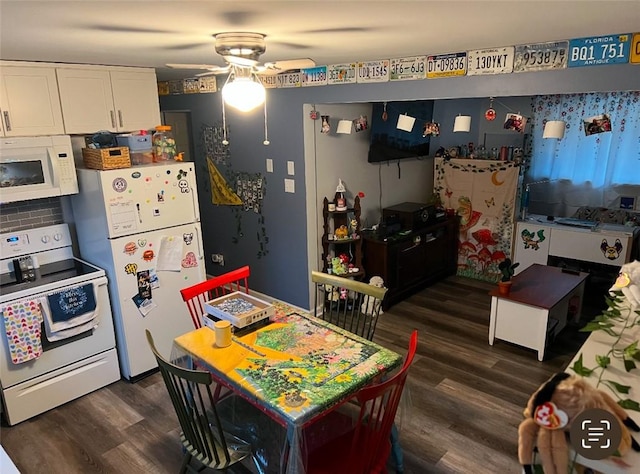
(170, 254)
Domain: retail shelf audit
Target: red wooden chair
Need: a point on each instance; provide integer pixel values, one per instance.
(365, 448)
(197, 295)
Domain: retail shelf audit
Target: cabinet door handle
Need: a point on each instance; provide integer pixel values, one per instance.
(7, 122)
(120, 118)
(113, 119)
(410, 248)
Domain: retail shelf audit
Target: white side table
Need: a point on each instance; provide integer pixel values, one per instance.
(536, 307)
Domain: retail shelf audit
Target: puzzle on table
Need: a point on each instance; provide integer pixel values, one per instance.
(319, 355)
(239, 309)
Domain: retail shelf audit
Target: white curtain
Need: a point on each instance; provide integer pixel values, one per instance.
(585, 169)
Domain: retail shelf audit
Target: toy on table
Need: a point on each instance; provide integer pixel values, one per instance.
(548, 416)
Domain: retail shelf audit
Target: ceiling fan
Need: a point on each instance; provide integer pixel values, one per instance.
(241, 52)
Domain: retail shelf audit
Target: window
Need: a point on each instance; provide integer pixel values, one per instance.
(610, 156)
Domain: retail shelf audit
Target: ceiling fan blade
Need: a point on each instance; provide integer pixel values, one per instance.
(211, 73)
(192, 66)
(287, 65)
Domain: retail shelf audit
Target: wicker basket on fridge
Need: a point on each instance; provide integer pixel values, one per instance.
(106, 158)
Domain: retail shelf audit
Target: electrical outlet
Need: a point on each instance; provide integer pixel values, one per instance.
(217, 258)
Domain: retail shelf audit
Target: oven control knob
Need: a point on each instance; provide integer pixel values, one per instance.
(57, 237)
(45, 239)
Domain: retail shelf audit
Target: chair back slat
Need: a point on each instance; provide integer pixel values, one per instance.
(197, 295)
(346, 303)
(190, 393)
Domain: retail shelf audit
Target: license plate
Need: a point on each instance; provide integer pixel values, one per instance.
(490, 61)
(541, 56)
(373, 71)
(635, 49)
(447, 65)
(341, 73)
(599, 50)
(314, 76)
(288, 79)
(269, 81)
(407, 69)
(208, 84)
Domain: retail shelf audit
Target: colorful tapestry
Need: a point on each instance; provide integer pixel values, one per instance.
(483, 194)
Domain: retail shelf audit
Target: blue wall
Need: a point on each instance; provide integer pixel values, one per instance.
(284, 272)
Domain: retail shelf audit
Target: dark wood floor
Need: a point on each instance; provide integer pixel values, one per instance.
(466, 399)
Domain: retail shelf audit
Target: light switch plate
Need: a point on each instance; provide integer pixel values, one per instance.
(269, 165)
(290, 168)
(289, 186)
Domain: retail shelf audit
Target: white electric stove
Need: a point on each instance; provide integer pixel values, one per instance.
(38, 269)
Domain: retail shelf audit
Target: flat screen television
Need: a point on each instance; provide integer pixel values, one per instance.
(388, 143)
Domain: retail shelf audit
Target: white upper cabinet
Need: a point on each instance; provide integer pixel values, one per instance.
(29, 101)
(113, 99)
(135, 95)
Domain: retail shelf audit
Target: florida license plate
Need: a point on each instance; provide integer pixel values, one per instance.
(599, 50)
(341, 73)
(447, 65)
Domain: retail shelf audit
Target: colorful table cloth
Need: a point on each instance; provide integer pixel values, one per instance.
(295, 369)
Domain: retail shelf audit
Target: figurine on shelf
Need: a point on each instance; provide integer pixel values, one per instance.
(342, 232)
(341, 200)
(337, 266)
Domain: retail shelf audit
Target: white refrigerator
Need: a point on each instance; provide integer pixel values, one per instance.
(142, 225)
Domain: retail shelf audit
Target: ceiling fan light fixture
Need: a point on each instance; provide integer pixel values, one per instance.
(243, 93)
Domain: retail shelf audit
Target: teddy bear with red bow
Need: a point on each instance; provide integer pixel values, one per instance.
(548, 416)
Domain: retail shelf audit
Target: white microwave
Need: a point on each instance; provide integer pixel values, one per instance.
(36, 167)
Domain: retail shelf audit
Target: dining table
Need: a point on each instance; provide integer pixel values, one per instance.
(295, 369)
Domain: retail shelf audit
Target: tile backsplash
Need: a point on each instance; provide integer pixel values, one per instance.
(30, 214)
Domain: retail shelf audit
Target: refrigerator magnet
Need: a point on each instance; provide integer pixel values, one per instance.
(144, 284)
(148, 255)
(131, 268)
(130, 248)
(189, 260)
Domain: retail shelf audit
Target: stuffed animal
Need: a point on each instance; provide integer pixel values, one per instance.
(628, 282)
(548, 417)
(371, 304)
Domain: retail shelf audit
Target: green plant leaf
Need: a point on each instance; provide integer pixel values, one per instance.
(629, 404)
(610, 332)
(595, 326)
(619, 387)
(580, 369)
(629, 365)
(603, 361)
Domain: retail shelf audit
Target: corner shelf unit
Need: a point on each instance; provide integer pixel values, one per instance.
(352, 246)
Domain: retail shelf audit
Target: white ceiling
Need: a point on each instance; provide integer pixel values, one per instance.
(153, 33)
